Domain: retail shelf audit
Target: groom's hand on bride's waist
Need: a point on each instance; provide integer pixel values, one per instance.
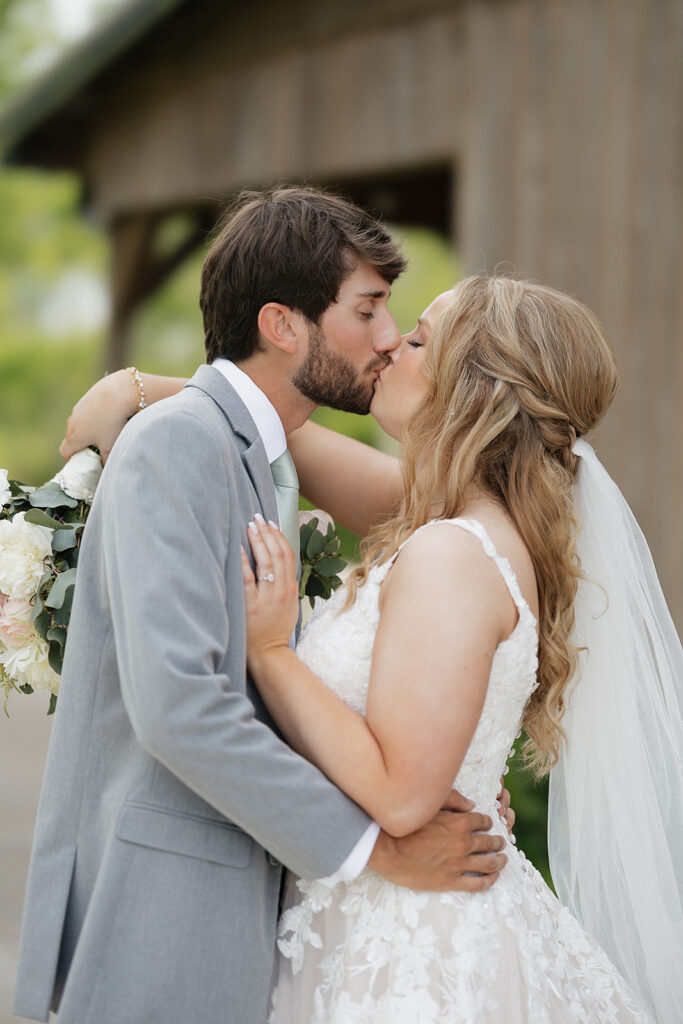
(452, 851)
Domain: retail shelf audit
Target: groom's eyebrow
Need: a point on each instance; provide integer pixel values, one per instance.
(374, 294)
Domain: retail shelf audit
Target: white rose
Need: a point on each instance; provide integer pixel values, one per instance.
(30, 665)
(80, 475)
(24, 548)
(5, 493)
(324, 519)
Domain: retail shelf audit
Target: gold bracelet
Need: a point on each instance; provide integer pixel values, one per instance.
(137, 380)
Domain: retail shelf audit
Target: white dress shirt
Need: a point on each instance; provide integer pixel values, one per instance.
(272, 433)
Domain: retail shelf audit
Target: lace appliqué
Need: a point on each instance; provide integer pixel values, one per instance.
(369, 952)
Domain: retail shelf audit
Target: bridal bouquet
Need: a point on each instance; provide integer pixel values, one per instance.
(40, 533)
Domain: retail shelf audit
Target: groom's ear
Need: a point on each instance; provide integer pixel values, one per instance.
(281, 326)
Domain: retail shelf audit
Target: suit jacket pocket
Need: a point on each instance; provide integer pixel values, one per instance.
(175, 832)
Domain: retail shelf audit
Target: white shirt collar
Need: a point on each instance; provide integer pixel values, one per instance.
(261, 409)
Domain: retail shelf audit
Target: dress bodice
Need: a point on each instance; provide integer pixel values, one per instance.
(337, 645)
(368, 951)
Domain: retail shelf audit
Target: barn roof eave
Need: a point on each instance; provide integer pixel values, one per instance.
(31, 108)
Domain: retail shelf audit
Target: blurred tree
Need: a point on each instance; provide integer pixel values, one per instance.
(34, 33)
(24, 31)
(52, 290)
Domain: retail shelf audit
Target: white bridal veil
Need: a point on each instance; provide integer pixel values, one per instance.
(616, 796)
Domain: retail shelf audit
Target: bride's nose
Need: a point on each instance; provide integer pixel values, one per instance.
(400, 348)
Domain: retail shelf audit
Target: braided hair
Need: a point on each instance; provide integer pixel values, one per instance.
(515, 372)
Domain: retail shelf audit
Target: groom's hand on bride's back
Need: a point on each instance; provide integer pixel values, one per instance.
(452, 851)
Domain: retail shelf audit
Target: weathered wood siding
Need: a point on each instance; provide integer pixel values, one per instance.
(347, 94)
(572, 173)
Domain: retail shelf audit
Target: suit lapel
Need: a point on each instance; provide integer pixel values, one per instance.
(253, 454)
(257, 466)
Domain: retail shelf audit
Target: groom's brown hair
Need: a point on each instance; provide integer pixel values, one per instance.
(290, 245)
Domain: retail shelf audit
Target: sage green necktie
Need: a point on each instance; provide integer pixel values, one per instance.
(287, 494)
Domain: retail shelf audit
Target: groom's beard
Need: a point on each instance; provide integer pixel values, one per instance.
(328, 378)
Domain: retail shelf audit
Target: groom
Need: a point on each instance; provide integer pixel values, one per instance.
(170, 804)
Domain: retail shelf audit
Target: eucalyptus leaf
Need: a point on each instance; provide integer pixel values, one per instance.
(51, 496)
(61, 616)
(17, 488)
(42, 623)
(53, 704)
(315, 544)
(65, 539)
(329, 566)
(72, 519)
(45, 582)
(17, 504)
(57, 635)
(26, 688)
(59, 588)
(55, 658)
(40, 518)
(316, 587)
(304, 535)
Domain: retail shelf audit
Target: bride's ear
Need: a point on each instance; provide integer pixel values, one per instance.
(281, 326)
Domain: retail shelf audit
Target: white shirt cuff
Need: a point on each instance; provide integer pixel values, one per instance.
(357, 859)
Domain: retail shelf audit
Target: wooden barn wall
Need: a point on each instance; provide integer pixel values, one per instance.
(562, 119)
(198, 119)
(571, 173)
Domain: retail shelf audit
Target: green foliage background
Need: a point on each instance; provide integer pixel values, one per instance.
(44, 370)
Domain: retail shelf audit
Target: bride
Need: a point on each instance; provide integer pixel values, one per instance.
(463, 625)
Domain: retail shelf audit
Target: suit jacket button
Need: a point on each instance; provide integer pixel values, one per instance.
(272, 859)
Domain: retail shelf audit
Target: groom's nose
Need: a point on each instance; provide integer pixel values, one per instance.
(389, 337)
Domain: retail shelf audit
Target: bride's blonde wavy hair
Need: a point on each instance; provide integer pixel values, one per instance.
(515, 372)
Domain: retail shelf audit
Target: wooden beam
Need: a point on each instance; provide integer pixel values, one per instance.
(138, 270)
(130, 239)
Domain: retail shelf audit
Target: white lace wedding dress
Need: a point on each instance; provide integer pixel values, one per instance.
(369, 952)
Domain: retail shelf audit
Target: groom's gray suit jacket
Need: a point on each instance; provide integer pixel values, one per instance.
(169, 803)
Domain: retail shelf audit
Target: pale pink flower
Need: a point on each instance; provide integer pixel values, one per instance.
(16, 626)
(324, 519)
